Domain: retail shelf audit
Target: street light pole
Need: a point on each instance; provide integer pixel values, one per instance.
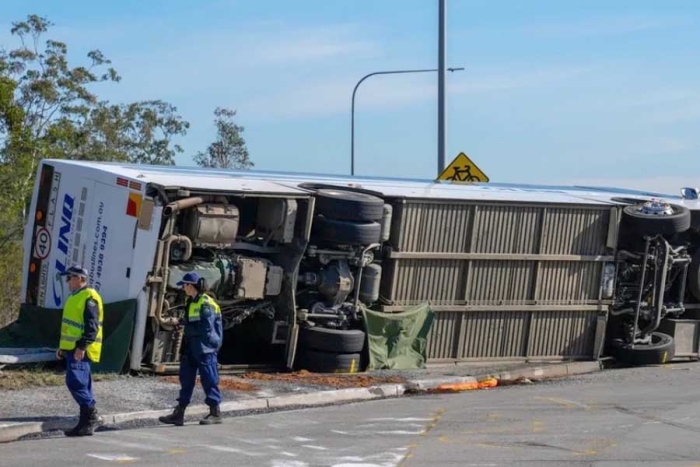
(442, 56)
(352, 108)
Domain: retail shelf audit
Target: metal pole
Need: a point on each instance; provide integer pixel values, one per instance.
(352, 106)
(442, 59)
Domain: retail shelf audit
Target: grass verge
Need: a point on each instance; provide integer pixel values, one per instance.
(15, 379)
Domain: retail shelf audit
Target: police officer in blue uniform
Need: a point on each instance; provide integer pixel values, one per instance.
(81, 345)
(202, 340)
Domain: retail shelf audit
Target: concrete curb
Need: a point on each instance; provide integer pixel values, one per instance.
(16, 431)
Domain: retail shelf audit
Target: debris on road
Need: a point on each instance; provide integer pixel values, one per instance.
(225, 382)
(336, 381)
(466, 386)
(517, 381)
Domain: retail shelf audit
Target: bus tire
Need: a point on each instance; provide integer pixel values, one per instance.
(349, 205)
(661, 350)
(328, 362)
(641, 224)
(345, 232)
(332, 340)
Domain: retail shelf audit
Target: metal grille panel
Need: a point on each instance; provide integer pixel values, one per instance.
(493, 335)
(506, 229)
(560, 251)
(433, 227)
(440, 282)
(569, 282)
(443, 335)
(570, 231)
(500, 282)
(562, 333)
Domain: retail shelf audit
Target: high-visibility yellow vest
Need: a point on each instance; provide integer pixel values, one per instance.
(193, 313)
(73, 323)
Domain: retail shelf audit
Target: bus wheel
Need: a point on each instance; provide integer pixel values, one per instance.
(655, 218)
(332, 340)
(660, 350)
(329, 362)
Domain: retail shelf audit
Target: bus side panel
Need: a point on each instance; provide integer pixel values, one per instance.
(78, 220)
(109, 250)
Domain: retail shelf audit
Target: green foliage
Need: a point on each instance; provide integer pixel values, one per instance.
(10, 266)
(229, 150)
(49, 109)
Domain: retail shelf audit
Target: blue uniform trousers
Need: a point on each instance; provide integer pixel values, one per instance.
(206, 365)
(79, 379)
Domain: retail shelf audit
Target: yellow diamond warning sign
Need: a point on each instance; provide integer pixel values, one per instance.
(462, 169)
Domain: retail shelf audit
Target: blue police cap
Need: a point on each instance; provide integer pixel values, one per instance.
(189, 278)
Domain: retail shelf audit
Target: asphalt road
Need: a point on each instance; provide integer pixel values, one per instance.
(645, 416)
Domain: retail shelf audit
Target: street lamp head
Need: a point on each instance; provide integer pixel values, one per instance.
(352, 105)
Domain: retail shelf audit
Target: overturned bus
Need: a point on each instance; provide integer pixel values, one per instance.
(509, 271)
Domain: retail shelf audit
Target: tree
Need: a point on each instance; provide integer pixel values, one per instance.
(229, 150)
(49, 109)
(139, 132)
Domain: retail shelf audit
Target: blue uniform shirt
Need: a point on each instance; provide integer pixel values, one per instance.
(206, 335)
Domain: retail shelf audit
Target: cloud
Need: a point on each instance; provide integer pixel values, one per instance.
(298, 46)
(244, 60)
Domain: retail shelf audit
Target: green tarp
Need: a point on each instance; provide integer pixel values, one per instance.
(397, 341)
(41, 327)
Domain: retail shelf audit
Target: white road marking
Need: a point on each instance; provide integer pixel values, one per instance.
(374, 425)
(384, 459)
(268, 442)
(123, 444)
(318, 448)
(301, 439)
(288, 454)
(113, 457)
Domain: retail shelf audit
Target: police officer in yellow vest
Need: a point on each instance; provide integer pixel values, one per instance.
(80, 345)
(202, 341)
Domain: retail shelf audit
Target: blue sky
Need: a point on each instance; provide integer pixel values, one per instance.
(553, 91)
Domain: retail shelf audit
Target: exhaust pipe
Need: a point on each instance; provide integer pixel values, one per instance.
(181, 204)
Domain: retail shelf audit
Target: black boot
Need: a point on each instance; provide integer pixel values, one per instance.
(94, 419)
(214, 416)
(83, 426)
(176, 418)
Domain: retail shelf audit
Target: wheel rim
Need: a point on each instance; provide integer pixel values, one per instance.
(656, 207)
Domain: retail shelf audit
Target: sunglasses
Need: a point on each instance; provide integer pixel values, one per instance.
(68, 278)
